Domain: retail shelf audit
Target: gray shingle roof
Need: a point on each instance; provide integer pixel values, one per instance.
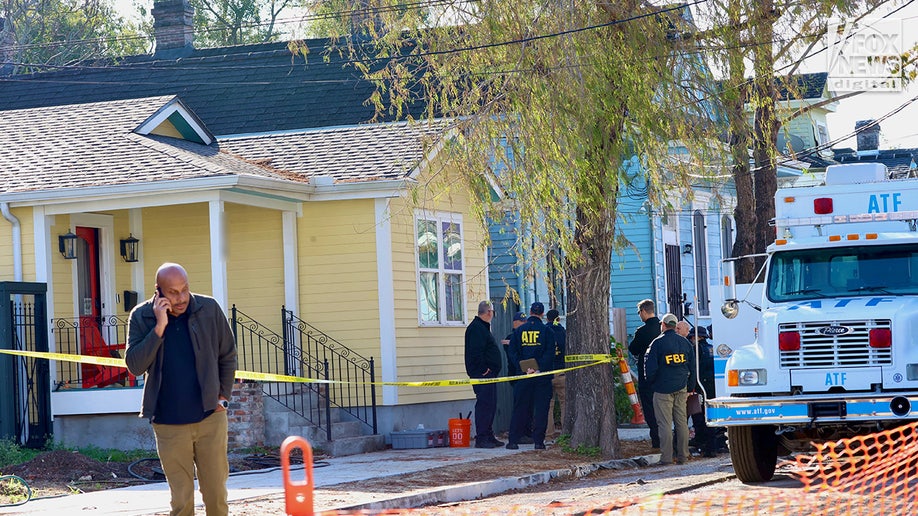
(899, 162)
(348, 154)
(236, 90)
(801, 86)
(91, 145)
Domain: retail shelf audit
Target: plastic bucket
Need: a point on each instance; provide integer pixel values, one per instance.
(459, 430)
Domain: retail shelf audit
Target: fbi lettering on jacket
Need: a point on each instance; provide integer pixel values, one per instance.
(675, 358)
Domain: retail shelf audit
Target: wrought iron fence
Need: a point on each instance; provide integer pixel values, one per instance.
(30, 375)
(92, 336)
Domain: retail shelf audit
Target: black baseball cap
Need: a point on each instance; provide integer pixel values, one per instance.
(537, 308)
(520, 316)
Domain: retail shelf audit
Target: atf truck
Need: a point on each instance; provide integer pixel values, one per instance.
(835, 349)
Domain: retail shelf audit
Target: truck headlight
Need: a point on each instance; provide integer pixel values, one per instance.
(737, 377)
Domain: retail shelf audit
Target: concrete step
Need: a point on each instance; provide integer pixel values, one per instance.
(284, 402)
(276, 409)
(339, 430)
(353, 445)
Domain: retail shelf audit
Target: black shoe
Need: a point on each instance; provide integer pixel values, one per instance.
(512, 446)
(485, 444)
(496, 441)
(539, 446)
(526, 440)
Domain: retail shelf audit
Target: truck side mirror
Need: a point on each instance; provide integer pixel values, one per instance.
(730, 308)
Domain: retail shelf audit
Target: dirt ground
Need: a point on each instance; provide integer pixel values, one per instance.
(62, 472)
(58, 472)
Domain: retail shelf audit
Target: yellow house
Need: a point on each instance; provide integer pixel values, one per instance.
(319, 232)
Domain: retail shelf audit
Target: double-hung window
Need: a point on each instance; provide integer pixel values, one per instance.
(441, 278)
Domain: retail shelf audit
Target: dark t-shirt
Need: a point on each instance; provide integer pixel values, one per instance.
(179, 401)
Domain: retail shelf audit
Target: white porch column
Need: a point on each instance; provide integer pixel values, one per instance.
(218, 247)
(44, 253)
(135, 227)
(291, 264)
(387, 358)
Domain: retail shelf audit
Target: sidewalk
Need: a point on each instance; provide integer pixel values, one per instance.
(154, 498)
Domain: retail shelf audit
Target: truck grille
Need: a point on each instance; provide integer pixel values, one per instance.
(849, 350)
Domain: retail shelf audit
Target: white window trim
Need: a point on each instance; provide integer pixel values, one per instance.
(703, 249)
(439, 217)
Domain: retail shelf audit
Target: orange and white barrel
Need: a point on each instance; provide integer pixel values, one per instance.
(638, 418)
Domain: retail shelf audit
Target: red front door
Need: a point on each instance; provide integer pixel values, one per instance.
(89, 305)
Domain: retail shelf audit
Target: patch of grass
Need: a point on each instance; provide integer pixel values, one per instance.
(13, 491)
(11, 453)
(564, 441)
(111, 455)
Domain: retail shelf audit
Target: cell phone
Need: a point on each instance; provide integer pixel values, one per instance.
(159, 292)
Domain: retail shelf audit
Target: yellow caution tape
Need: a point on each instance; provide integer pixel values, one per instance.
(589, 358)
(63, 357)
(270, 377)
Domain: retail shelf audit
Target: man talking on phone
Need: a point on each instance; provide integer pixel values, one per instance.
(183, 345)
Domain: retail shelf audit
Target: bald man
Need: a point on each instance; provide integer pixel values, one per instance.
(683, 328)
(183, 345)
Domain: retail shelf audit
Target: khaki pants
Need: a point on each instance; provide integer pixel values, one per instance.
(201, 446)
(557, 385)
(670, 408)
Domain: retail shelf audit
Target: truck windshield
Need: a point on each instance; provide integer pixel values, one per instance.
(843, 271)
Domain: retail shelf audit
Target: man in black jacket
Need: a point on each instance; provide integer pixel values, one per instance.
(482, 360)
(669, 366)
(642, 339)
(531, 396)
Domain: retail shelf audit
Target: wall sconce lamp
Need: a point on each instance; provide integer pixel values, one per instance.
(67, 245)
(129, 249)
(687, 249)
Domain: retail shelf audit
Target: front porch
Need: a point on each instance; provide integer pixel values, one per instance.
(339, 418)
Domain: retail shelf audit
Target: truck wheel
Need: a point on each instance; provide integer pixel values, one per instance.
(753, 451)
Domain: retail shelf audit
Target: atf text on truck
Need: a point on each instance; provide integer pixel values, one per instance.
(836, 343)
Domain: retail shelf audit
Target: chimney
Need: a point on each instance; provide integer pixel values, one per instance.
(867, 139)
(173, 28)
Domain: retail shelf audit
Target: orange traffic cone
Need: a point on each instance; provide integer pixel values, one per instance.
(298, 495)
(638, 418)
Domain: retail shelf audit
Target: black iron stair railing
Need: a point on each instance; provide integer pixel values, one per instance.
(304, 351)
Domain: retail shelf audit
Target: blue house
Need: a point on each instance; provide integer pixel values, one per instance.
(674, 254)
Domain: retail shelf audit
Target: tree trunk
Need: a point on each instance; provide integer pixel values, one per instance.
(735, 97)
(766, 132)
(744, 214)
(591, 418)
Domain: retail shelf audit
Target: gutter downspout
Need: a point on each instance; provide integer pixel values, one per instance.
(17, 239)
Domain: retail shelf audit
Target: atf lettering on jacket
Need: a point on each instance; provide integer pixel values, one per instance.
(530, 338)
(675, 358)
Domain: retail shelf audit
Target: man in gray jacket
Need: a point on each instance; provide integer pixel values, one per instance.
(183, 345)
